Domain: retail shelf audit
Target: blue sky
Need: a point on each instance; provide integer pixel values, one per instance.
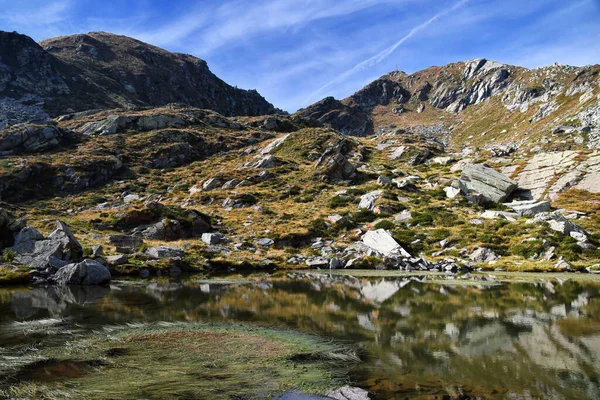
(295, 52)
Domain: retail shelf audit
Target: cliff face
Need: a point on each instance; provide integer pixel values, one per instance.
(477, 97)
(101, 70)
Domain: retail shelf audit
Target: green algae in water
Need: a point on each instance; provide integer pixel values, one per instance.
(184, 360)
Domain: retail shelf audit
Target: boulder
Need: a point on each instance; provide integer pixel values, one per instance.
(451, 192)
(231, 184)
(97, 251)
(442, 160)
(210, 184)
(566, 227)
(397, 153)
(118, 259)
(28, 234)
(266, 162)
(529, 208)
(384, 181)
(317, 262)
(125, 243)
(160, 252)
(87, 272)
(483, 254)
(213, 238)
(265, 242)
(481, 184)
(367, 201)
(383, 242)
(404, 217)
(70, 247)
(334, 163)
(37, 253)
(493, 214)
(32, 249)
(166, 229)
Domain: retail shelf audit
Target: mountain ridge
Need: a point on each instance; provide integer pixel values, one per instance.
(538, 100)
(102, 70)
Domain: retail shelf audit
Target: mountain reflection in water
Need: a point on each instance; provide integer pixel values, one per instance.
(521, 340)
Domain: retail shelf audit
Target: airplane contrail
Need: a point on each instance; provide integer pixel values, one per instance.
(376, 59)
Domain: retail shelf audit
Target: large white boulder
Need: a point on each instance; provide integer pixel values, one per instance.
(383, 242)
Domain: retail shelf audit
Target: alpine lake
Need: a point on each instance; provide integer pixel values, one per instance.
(263, 335)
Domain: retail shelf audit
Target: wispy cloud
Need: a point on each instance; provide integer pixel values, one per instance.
(382, 55)
(43, 13)
(240, 20)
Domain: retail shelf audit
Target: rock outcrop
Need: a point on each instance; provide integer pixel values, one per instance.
(31, 249)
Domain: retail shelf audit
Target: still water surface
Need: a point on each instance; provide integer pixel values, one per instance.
(415, 339)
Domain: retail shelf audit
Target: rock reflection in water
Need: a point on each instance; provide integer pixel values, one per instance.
(518, 339)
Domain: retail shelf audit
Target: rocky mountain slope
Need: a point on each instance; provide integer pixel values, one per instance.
(101, 71)
(476, 103)
(475, 165)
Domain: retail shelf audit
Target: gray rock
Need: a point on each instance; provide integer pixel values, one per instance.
(265, 176)
(451, 192)
(268, 149)
(348, 393)
(565, 226)
(70, 247)
(28, 234)
(483, 254)
(118, 259)
(266, 162)
(367, 201)
(165, 252)
(480, 183)
(165, 229)
(562, 264)
(384, 181)
(60, 244)
(336, 263)
(126, 243)
(37, 253)
(87, 272)
(131, 198)
(529, 208)
(335, 219)
(213, 238)
(404, 217)
(317, 262)
(210, 184)
(383, 242)
(97, 251)
(230, 184)
(30, 138)
(265, 242)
